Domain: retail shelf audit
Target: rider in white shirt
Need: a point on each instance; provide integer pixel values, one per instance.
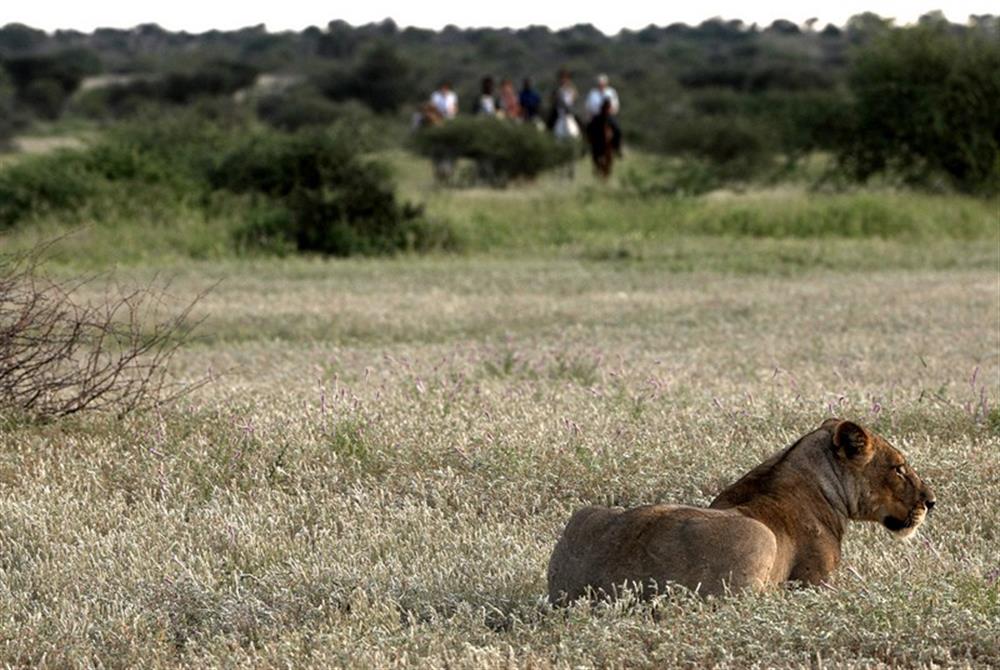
(445, 101)
(598, 95)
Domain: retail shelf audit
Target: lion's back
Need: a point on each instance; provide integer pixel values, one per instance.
(601, 548)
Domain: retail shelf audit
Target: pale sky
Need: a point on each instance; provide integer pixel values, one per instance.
(608, 15)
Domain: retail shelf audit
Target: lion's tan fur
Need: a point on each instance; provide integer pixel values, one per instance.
(782, 521)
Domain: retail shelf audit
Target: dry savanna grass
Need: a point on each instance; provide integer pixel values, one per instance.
(389, 449)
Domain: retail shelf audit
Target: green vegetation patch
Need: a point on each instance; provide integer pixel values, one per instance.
(502, 151)
(313, 190)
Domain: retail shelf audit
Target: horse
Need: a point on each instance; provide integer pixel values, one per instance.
(604, 137)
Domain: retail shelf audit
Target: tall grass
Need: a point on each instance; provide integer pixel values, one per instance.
(391, 447)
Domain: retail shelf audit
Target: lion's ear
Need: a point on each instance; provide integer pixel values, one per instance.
(852, 442)
(829, 424)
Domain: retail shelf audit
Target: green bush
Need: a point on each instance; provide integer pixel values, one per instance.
(309, 191)
(43, 83)
(212, 78)
(178, 148)
(925, 105)
(300, 109)
(175, 155)
(305, 108)
(671, 177)
(157, 159)
(320, 195)
(8, 114)
(53, 182)
(502, 150)
(737, 148)
(209, 80)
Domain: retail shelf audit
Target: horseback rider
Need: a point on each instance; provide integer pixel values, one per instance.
(595, 99)
(531, 101)
(445, 101)
(562, 117)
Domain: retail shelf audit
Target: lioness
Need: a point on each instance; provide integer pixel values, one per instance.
(783, 521)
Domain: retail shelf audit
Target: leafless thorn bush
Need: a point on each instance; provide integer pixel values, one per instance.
(61, 354)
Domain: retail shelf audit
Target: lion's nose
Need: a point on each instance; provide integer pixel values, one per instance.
(929, 504)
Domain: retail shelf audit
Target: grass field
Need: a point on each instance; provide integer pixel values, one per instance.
(781, 230)
(389, 447)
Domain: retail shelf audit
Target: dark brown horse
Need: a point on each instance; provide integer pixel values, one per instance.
(605, 139)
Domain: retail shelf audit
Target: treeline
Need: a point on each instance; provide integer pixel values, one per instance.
(918, 102)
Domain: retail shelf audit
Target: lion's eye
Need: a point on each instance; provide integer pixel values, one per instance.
(900, 470)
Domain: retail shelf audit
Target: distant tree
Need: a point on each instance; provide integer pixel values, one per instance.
(677, 29)
(413, 35)
(17, 38)
(339, 40)
(387, 27)
(935, 19)
(44, 83)
(67, 68)
(383, 80)
(45, 97)
(150, 30)
(110, 39)
(788, 77)
(987, 25)
(784, 27)
(719, 29)
(926, 103)
(867, 26)
(214, 78)
(534, 34)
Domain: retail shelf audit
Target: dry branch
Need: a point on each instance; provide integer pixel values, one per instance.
(60, 355)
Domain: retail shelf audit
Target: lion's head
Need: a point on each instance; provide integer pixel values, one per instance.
(886, 489)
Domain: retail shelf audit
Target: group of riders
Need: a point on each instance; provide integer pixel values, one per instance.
(598, 123)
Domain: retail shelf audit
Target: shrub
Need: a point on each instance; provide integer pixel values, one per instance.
(17, 37)
(45, 97)
(805, 121)
(306, 108)
(737, 148)
(796, 122)
(116, 101)
(137, 95)
(176, 153)
(502, 150)
(8, 118)
(213, 78)
(297, 110)
(66, 68)
(52, 182)
(44, 83)
(687, 177)
(320, 195)
(310, 191)
(925, 104)
(180, 148)
(60, 355)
